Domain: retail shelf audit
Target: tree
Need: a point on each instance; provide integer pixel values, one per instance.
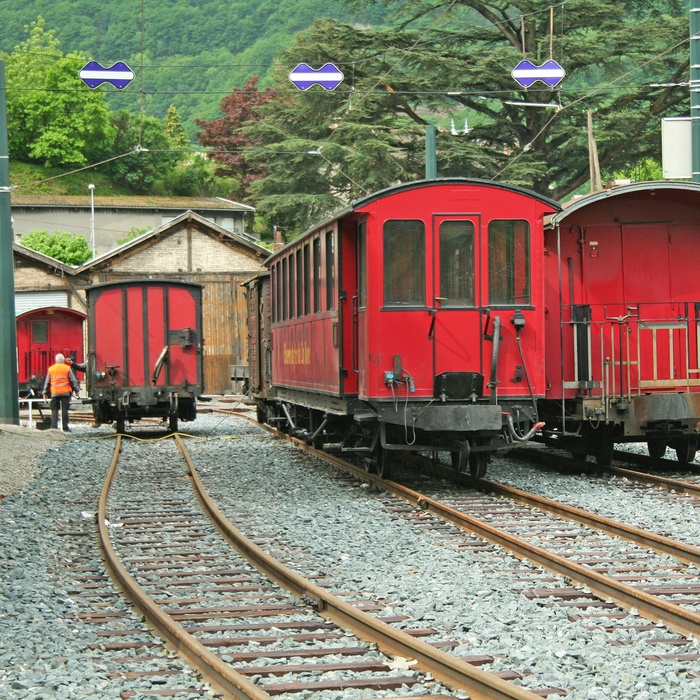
(69, 248)
(320, 148)
(227, 136)
(134, 232)
(174, 130)
(53, 117)
(149, 148)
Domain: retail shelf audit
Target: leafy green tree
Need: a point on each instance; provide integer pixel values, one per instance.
(149, 150)
(53, 117)
(69, 248)
(318, 148)
(174, 130)
(614, 53)
(135, 232)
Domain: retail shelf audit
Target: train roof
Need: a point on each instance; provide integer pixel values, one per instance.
(574, 205)
(415, 184)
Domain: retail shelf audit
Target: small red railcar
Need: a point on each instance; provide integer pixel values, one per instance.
(144, 350)
(41, 335)
(410, 321)
(623, 324)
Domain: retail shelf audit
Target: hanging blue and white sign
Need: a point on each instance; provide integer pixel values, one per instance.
(327, 76)
(527, 73)
(93, 74)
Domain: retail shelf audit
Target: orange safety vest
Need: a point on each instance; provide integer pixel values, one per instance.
(60, 383)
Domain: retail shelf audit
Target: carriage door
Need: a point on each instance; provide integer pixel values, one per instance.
(455, 328)
(655, 349)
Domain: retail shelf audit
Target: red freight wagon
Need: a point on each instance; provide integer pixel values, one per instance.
(623, 325)
(412, 320)
(41, 335)
(144, 350)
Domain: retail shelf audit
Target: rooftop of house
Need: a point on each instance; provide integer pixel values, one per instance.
(128, 202)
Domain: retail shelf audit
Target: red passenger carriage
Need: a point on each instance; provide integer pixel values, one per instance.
(410, 321)
(623, 324)
(145, 350)
(41, 335)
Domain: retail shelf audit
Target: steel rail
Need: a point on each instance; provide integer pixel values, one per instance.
(662, 481)
(681, 620)
(549, 459)
(450, 670)
(218, 673)
(683, 551)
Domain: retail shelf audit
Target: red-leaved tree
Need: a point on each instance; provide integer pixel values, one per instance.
(227, 138)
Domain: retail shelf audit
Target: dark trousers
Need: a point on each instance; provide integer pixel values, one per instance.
(62, 400)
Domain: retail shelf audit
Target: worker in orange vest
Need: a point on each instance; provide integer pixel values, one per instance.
(60, 383)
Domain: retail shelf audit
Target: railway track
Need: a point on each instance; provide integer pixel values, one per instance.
(613, 570)
(256, 630)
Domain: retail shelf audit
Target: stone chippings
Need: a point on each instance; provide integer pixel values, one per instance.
(466, 593)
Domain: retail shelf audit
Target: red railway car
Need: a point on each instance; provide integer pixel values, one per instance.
(41, 334)
(623, 324)
(410, 321)
(144, 350)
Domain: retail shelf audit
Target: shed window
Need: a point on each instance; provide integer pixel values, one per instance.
(404, 263)
(457, 263)
(509, 262)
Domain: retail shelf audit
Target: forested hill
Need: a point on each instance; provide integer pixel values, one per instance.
(194, 51)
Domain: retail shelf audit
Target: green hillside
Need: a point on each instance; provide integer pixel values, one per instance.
(189, 53)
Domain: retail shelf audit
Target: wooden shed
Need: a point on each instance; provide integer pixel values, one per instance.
(193, 249)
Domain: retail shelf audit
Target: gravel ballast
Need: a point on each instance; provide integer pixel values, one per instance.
(470, 593)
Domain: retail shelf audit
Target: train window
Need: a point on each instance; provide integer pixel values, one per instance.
(317, 275)
(300, 282)
(457, 263)
(330, 270)
(361, 264)
(404, 263)
(285, 290)
(275, 293)
(292, 287)
(40, 331)
(509, 262)
(307, 280)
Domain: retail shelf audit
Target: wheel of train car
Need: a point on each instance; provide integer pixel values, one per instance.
(478, 464)
(384, 463)
(261, 413)
(121, 425)
(603, 451)
(172, 423)
(460, 459)
(685, 448)
(656, 447)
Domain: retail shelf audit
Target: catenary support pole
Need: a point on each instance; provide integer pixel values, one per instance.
(695, 86)
(9, 404)
(431, 152)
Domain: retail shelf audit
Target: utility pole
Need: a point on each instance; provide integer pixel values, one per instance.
(431, 152)
(593, 164)
(695, 86)
(9, 387)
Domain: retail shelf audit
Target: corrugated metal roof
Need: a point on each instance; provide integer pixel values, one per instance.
(167, 203)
